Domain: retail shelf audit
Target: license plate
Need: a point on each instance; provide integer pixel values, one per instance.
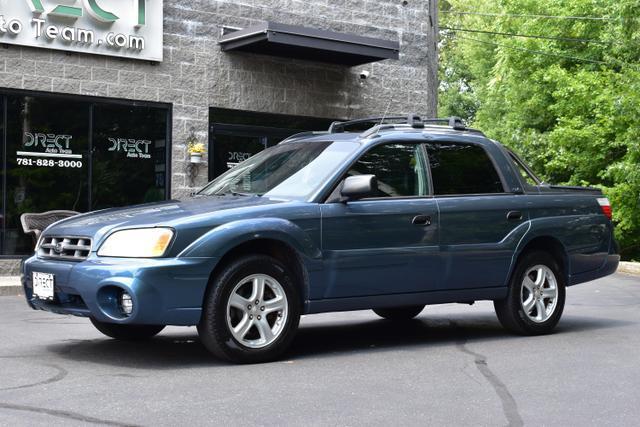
(43, 285)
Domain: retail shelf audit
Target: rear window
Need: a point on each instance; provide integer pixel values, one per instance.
(462, 169)
(526, 174)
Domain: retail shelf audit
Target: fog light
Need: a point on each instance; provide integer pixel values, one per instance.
(126, 303)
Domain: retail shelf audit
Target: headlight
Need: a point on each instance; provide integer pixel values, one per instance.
(137, 243)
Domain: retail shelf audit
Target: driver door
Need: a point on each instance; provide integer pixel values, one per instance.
(387, 243)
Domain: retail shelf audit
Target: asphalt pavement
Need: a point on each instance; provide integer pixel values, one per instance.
(453, 365)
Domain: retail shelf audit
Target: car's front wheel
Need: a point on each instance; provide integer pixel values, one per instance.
(536, 296)
(127, 332)
(399, 313)
(251, 311)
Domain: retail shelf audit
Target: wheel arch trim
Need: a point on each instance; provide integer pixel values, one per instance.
(220, 240)
(538, 239)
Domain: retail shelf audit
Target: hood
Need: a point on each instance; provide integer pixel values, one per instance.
(199, 211)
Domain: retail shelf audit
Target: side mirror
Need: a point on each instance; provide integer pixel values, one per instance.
(358, 187)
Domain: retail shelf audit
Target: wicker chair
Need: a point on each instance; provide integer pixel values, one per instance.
(35, 223)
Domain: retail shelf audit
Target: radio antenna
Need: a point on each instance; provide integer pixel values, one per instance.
(384, 116)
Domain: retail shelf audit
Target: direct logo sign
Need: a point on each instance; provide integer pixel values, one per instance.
(236, 157)
(131, 29)
(58, 248)
(48, 150)
(51, 143)
(135, 148)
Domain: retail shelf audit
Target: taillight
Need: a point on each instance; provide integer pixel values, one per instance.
(605, 206)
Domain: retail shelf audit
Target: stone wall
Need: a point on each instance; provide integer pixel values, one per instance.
(196, 75)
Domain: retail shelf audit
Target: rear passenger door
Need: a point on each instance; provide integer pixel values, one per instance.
(480, 222)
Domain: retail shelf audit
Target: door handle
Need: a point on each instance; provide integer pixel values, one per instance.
(514, 215)
(421, 220)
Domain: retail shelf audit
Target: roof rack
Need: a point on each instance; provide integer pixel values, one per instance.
(453, 122)
(303, 135)
(413, 120)
(386, 123)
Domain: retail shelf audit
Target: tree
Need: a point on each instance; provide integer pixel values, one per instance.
(557, 81)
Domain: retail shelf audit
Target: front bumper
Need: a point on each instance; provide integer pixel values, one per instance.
(165, 291)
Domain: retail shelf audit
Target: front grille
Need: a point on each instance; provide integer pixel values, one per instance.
(67, 248)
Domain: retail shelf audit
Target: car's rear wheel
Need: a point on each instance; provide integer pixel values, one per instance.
(127, 332)
(251, 311)
(536, 296)
(399, 313)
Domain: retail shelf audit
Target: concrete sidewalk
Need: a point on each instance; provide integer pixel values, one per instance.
(10, 286)
(629, 268)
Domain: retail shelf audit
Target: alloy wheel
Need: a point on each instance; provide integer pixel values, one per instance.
(257, 311)
(539, 293)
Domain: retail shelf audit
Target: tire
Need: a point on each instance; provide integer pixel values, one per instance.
(127, 332)
(234, 328)
(536, 296)
(399, 313)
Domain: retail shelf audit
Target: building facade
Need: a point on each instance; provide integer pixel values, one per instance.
(97, 112)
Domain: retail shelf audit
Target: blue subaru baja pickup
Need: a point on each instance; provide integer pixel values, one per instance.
(393, 218)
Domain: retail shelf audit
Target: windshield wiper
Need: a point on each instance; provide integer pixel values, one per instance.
(234, 193)
(229, 193)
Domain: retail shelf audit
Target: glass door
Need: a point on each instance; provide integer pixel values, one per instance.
(233, 144)
(235, 135)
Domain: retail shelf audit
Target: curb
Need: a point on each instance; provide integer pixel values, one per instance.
(629, 268)
(10, 286)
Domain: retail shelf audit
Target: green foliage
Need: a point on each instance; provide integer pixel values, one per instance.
(572, 109)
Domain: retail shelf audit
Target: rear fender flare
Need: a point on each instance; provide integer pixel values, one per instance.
(539, 228)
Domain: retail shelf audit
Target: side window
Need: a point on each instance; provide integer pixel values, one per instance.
(462, 169)
(399, 168)
(524, 173)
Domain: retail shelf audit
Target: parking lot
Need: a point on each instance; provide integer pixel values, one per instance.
(453, 365)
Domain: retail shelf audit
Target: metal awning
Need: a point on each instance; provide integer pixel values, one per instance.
(293, 41)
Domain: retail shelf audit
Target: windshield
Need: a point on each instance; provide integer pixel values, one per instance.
(292, 170)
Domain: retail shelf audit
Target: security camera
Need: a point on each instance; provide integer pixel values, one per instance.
(364, 74)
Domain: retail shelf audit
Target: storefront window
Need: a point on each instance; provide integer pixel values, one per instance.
(46, 167)
(71, 153)
(129, 146)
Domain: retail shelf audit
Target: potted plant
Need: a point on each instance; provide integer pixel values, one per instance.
(195, 149)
